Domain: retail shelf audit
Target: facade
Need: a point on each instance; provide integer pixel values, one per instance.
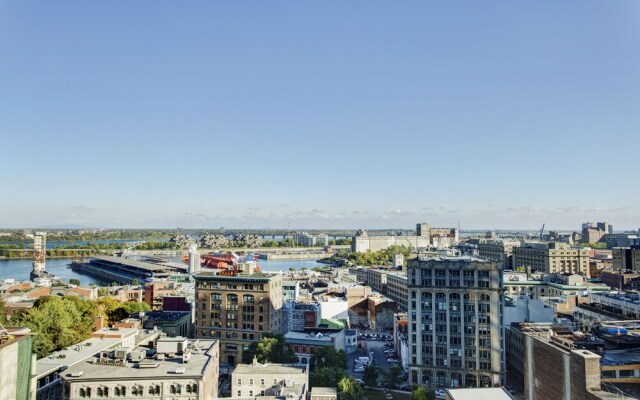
(270, 380)
(180, 369)
(303, 344)
(290, 290)
(626, 258)
(154, 292)
(237, 310)
(298, 315)
(498, 250)
(397, 289)
(377, 279)
(455, 314)
(553, 370)
(173, 323)
(552, 258)
(15, 363)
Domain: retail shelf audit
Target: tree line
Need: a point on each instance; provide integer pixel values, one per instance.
(60, 322)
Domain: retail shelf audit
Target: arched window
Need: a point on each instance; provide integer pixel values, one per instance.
(173, 389)
(188, 388)
(194, 388)
(134, 391)
(123, 391)
(178, 389)
(116, 391)
(99, 392)
(82, 392)
(89, 392)
(157, 389)
(151, 390)
(106, 392)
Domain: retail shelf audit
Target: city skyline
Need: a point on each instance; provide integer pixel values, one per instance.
(494, 115)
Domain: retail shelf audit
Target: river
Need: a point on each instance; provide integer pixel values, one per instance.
(19, 269)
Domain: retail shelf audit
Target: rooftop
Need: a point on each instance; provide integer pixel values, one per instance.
(497, 393)
(324, 391)
(132, 263)
(157, 369)
(266, 369)
(81, 351)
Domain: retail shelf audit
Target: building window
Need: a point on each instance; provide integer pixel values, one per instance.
(250, 381)
(239, 381)
(250, 393)
(261, 381)
(239, 393)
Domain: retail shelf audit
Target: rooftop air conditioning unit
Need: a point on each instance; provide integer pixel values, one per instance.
(180, 370)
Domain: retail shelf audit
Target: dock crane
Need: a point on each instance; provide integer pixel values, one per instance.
(541, 231)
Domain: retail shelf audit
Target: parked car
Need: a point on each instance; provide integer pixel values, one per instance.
(388, 396)
(358, 369)
(405, 388)
(392, 360)
(441, 393)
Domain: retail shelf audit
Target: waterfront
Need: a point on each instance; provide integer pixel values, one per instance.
(19, 269)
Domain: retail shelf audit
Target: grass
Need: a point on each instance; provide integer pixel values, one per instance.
(379, 395)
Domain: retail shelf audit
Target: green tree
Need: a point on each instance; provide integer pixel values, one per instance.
(350, 389)
(74, 281)
(392, 378)
(135, 282)
(420, 392)
(370, 375)
(330, 357)
(327, 377)
(271, 349)
(3, 311)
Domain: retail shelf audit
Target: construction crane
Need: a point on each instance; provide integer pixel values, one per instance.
(541, 231)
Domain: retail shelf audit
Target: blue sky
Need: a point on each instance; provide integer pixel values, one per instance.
(494, 114)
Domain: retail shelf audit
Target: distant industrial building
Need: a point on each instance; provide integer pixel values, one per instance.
(593, 232)
(426, 237)
(455, 322)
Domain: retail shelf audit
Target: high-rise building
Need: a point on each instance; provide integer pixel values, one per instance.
(39, 254)
(455, 322)
(237, 310)
(593, 232)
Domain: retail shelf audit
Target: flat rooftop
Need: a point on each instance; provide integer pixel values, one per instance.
(479, 393)
(128, 262)
(195, 368)
(267, 369)
(81, 351)
(324, 391)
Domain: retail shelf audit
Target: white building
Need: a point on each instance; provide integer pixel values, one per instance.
(270, 380)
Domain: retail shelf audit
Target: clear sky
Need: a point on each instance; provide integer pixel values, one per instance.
(336, 114)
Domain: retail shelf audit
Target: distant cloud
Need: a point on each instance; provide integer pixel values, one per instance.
(360, 212)
(81, 208)
(284, 205)
(254, 209)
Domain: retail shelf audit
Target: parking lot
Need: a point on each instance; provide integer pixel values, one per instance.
(375, 344)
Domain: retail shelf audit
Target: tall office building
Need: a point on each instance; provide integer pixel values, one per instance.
(455, 322)
(237, 309)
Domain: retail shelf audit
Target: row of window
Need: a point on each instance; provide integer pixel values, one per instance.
(262, 381)
(138, 390)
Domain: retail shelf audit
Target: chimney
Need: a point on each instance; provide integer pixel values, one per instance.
(99, 322)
